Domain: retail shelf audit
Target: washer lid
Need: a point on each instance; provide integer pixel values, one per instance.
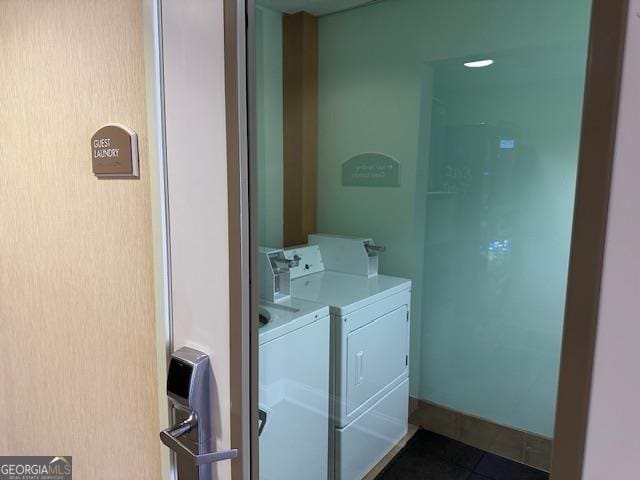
(287, 316)
(345, 293)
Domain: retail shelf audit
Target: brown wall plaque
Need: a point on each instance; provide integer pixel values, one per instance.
(114, 152)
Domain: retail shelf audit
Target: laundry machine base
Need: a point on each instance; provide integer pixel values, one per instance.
(359, 446)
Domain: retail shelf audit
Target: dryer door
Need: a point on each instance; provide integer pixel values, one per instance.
(376, 356)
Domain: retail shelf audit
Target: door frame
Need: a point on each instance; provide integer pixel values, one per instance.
(599, 119)
(243, 246)
(607, 38)
(152, 34)
(238, 320)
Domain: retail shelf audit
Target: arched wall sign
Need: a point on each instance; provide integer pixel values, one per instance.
(114, 152)
(371, 170)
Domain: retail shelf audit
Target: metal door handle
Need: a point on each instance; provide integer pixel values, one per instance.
(170, 437)
(262, 420)
(359, 367)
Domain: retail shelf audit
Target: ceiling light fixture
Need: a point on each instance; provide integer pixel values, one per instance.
(479, 63)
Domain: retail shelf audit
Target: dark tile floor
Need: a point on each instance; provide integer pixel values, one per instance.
(429, 456)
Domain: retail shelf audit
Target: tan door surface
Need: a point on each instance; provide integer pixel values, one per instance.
(77, 334)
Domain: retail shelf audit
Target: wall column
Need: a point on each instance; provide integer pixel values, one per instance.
(300, 123)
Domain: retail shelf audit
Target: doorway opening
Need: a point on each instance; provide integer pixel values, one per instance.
(416, 169)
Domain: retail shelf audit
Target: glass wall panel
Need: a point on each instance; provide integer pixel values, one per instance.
(465, 118)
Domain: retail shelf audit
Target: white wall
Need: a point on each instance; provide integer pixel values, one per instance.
(613, 442)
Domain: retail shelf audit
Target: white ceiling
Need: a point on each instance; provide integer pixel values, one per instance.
(314, 7)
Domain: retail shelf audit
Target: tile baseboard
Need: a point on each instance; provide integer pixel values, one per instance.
(524, 447)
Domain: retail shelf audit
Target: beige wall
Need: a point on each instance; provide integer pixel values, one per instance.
(613, 442)
(77, 344)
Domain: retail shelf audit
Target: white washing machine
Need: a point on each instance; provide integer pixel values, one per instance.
(293, 397)
(370, 348)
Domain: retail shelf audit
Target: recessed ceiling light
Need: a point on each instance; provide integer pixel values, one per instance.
(479, 63)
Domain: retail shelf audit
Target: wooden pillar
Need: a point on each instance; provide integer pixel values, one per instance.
(300, 125)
